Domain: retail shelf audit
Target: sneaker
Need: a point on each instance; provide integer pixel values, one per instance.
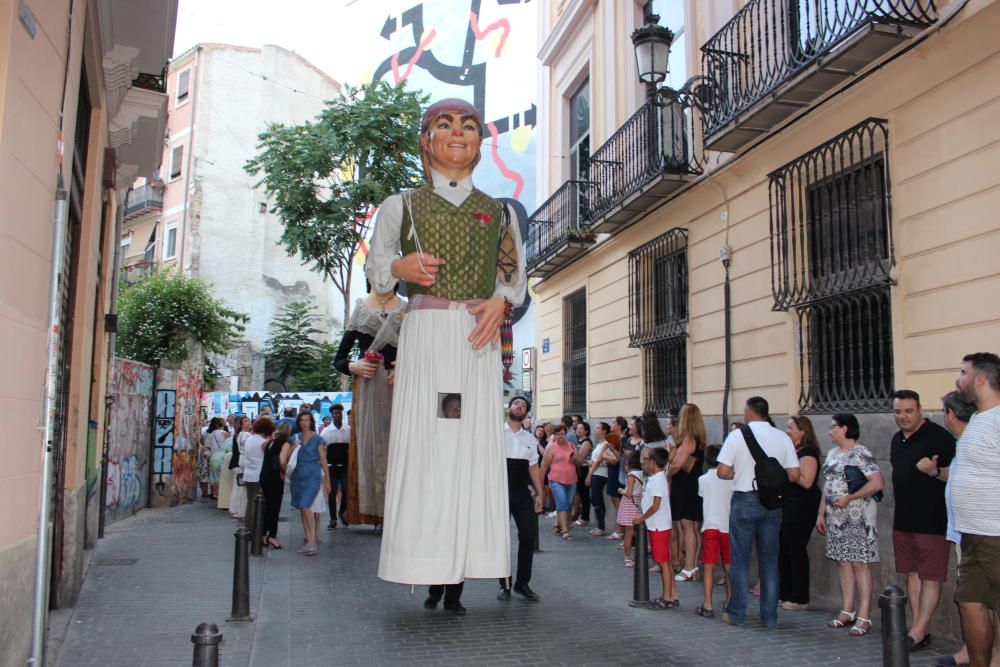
(551, 515)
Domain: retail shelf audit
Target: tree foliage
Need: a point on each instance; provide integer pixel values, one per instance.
(159, 315)
(321, 375)
(326, 176)
(293, 347)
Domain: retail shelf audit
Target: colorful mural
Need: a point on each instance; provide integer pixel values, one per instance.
(131, 391)
(483, 51)
(187, 437)
(223, 404)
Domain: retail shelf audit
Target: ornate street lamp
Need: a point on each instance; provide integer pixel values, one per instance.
(652, 52)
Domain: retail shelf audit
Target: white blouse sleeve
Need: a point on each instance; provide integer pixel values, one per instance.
(384, 248)
(515, 289)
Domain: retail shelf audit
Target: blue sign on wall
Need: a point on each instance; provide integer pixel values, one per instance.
(545, 346)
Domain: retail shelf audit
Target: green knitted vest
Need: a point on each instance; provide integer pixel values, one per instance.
(466, 236)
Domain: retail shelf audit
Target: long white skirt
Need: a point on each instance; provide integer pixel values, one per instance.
(446, 514)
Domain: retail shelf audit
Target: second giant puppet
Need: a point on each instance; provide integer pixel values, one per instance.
(459, 251)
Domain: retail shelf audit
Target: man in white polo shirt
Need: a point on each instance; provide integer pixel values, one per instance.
(748, 518)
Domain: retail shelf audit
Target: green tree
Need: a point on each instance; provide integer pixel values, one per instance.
(326, 176)
(292, 350)
(160, 314)
(321, 375)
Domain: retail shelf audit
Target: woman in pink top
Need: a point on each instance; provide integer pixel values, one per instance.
(560, 463)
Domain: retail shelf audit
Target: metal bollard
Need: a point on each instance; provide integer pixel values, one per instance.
(241, 578)
(895, 651)
(640, 582)
(257, 526)
(206, 639)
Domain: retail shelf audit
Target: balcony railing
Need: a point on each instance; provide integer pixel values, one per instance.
(133, 273)
(777, 56)
(647, 158)
(142, 199)
(560, 229)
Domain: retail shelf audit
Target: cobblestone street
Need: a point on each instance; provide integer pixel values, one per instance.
(157, 575)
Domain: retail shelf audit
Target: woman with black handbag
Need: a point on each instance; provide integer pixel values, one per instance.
(847, 516)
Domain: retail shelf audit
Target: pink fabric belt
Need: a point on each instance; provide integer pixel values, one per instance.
(431, 302)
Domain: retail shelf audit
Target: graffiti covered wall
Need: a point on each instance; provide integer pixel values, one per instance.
(128, 444)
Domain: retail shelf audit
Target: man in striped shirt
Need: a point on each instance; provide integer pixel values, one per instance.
(975, 500)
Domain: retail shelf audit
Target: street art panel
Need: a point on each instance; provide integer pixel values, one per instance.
(163, 439)
(187, 437)
(131, 392)
(249, 403)
(483, 51)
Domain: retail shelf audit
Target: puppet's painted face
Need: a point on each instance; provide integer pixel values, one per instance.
(452, 141)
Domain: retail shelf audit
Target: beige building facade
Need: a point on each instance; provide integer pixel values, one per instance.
(845, 170)
(82, 114)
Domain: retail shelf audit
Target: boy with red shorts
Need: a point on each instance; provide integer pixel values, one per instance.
(717, 495)
(656, 514)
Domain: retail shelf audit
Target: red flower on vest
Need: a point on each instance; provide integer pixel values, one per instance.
(483, 218)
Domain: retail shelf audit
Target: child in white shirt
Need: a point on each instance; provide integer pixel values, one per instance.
(656, 515)
(716, 496)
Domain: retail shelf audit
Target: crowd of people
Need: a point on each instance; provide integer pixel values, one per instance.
(706, 507)
(241, 458)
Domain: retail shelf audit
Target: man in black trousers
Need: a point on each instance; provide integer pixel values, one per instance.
(522, 473)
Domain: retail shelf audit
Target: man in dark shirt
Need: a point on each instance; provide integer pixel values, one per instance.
(921, 519)
(337, 437)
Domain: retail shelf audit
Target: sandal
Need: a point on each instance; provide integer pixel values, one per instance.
(581, 522)
(837, 623)
(629, 562)
(655, 568)
(673, 604)
(861, 628)
(704, 613)
(275, 544)
(597, 532)
(658, 604)
(615, 536)
(686, 575)
(566, 535)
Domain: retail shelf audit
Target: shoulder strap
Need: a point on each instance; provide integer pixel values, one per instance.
(756, 451)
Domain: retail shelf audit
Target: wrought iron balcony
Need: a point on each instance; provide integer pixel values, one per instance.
(559, 231)
(646, 160)
(776, 56)
(142, 199)
(136, 271)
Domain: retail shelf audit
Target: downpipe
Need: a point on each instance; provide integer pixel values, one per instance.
(109, 398)
(50, 401)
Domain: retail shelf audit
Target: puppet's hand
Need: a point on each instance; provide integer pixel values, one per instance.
(418, 268)
(488, 329)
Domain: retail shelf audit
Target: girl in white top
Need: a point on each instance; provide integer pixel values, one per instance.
(628, 508)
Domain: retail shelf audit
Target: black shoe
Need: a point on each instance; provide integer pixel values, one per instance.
(343, 521)
(915, 645)
(525, 590)
(454, 607)
(331, 526)
(504, 594)
(431, 602)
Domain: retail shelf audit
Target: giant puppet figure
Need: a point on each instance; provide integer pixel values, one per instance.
(459, 251)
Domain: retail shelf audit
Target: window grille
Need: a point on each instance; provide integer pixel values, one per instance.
(832, 254)
(575, 353)
(658, 316)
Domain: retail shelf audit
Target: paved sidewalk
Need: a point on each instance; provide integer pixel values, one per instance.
(332, 610)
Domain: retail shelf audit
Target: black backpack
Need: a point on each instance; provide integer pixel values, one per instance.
(770, 477)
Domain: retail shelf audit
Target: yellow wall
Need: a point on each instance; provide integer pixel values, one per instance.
(941, 100)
